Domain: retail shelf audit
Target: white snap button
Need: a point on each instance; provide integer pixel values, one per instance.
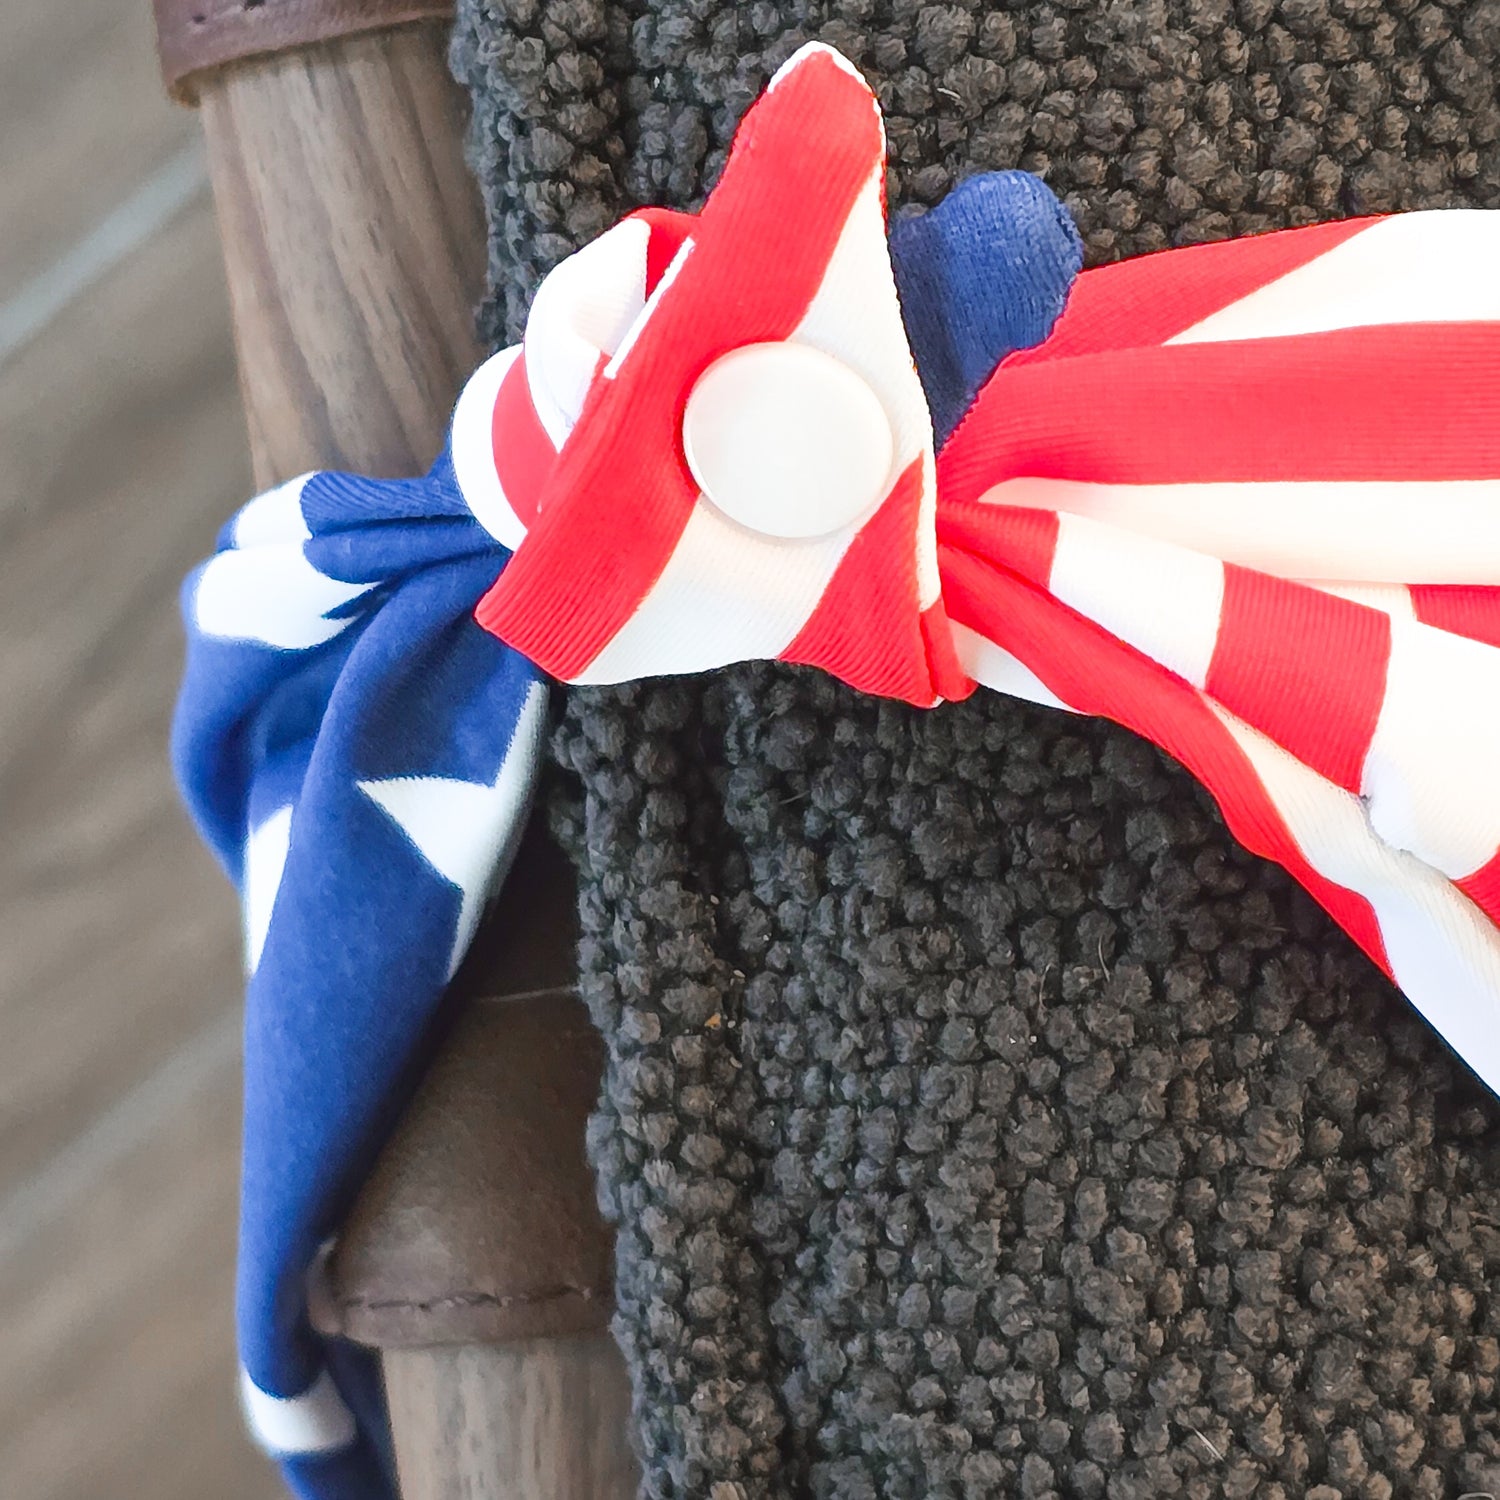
(787, 440)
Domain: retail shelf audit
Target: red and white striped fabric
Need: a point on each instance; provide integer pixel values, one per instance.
(1244, 500)
(626, 570)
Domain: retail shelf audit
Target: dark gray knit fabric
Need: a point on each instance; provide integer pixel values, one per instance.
(979, 1120)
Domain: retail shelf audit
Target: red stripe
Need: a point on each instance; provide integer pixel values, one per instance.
(867, 628)
(1483, 888)
(952, 682)
(1153, 298)
(1400, 401)
(1098, 674)
(524, 454)
(1307, 669)
(1465, 609)
(668, 230)
(1026, 539)
(621, 493)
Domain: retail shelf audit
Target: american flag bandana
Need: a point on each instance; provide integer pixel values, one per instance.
(1242, 498)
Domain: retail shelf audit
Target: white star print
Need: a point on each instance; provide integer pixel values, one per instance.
(263, 588)
(467, 830)
(265, 859)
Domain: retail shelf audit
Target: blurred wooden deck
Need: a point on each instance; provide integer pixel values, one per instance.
(122, 450)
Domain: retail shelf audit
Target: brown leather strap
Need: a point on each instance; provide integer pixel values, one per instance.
(194, 35)
(479, 1224)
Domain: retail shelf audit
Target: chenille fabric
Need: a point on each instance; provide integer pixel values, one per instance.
(979, 1120)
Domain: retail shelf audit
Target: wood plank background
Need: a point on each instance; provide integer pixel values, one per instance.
(122, 450)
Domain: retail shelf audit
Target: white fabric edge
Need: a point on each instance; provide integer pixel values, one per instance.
(316, 1423)
(472, 445)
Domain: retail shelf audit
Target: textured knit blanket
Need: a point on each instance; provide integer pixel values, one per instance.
(979, 1120)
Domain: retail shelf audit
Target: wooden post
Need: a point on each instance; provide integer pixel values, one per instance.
(354, 246)
(484, 1423)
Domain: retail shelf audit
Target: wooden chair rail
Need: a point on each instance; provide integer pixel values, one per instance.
(354, 247)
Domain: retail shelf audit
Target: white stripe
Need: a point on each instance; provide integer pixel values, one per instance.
(1165, 601)
(1430, 771)
(855, 316)
(266, 590)
(1444, 953)
(1393, 599)
(1433, 267)
(116, 236)
(1379, 531)
(584, 308)
(643, 317)
(994, 667)
(473, 447)
(265, 859)
(727, 594)
(315, 1422)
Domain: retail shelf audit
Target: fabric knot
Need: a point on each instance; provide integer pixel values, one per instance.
(1242, 498)
(741, 460)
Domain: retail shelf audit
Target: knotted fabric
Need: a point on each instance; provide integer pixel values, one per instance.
(1245, 500)
(1242, 498)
